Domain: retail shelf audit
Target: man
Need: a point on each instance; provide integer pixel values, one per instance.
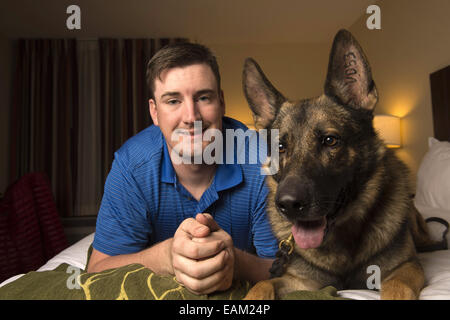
(190, 219)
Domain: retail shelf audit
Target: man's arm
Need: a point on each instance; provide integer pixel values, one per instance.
(203, 260)
(251, 267)
(156, 258)
(202, 266)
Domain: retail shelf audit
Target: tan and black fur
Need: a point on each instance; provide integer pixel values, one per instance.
(333, 167)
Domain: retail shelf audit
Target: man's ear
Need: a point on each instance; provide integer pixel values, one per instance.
(349, 78)
(153, 111)
(264, 100)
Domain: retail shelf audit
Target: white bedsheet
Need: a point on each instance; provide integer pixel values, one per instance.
(75, 255)
(436, 265)
(437, 279)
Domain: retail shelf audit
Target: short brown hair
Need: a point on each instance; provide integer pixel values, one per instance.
(179, 55)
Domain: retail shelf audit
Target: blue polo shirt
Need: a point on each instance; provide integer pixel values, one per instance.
(143, 202)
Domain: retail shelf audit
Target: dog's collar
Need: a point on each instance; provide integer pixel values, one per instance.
(287, 245)
(283, 255)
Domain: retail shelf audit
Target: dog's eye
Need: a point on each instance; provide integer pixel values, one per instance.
(330, 141)
(281, 148)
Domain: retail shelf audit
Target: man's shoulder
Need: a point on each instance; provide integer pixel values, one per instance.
(249, 146)
(230, 123)
(144, 147)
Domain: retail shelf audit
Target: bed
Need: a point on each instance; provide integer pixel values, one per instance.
(432, 199)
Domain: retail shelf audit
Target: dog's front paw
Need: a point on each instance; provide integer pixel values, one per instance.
(263, 290)
(397, 290)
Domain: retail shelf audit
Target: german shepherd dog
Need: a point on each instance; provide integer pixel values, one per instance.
(339, 193)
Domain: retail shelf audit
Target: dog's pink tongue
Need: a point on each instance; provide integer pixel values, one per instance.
(309, 236)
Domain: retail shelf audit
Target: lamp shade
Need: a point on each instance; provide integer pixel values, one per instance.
(388, 128)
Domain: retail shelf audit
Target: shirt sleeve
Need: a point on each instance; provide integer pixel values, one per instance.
(122, 223)
(263, 239)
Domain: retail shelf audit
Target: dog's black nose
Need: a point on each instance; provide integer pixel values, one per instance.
(290, 205)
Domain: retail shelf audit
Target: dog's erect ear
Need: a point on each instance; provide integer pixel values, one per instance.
(263, 98)
(349, 78)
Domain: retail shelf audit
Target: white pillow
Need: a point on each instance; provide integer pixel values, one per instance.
(433, 177)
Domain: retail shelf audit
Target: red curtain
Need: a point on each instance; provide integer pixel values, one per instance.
(31, 232)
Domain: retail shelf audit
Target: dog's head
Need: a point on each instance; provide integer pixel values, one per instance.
(328, 146)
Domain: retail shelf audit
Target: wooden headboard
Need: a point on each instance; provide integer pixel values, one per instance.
(440, 98)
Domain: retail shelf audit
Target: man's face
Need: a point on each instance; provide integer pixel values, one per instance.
(184, 95)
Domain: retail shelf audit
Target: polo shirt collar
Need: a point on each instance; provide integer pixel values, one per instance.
(226, 176)
(167, 170)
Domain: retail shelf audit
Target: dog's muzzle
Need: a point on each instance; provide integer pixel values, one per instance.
(308, 222)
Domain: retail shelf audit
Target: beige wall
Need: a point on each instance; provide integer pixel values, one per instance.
(296, 70)
(414, 41)
(5, 85)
